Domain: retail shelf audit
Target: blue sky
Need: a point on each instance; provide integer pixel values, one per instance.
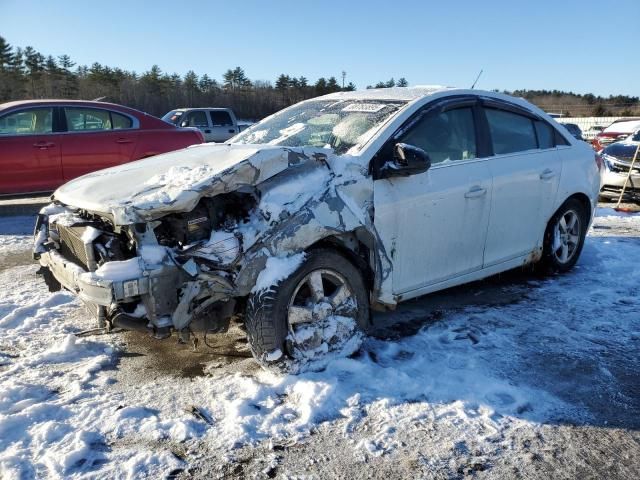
(542, 44)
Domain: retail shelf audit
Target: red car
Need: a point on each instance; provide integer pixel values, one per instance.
(45, 143)
(618, 130)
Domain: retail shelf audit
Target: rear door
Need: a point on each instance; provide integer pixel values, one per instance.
(29, 151)
(526, 171)
(223, 126)
(95, 139)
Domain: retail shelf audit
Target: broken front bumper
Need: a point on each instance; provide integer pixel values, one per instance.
(89, 287)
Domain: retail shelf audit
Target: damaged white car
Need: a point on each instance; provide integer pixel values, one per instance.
(310, 219)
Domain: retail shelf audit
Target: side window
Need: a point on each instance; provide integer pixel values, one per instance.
(545, 134)
(87, 119)
(120, 121)
(560, 140)
(445, 136)
(197, 119)
(220, 119)
(510, 132)
(27, 122)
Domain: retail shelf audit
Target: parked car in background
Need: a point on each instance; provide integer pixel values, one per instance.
(618, 130)
(617, 159)
(304, 223)
(573, 130)
(216, 124)
(592, 132)
(45, 143)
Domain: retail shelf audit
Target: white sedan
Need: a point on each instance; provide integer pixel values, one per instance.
(304, 223)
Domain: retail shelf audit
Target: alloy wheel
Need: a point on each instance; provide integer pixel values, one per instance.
(566, 236)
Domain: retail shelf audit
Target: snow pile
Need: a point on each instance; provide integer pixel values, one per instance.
(57, 417)
(276, 270)
(119, 270)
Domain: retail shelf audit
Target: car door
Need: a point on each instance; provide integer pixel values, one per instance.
(29, 151)
(434, 224)
(526, 172)
(95, 138)
(222, 125)
(200, 120)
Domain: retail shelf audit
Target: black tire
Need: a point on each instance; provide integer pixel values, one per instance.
(550, 256)
(266, 320)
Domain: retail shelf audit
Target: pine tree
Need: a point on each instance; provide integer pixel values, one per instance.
(402, 82)
(192, 87)
(6, 55)
(321, 86)
(332, 85)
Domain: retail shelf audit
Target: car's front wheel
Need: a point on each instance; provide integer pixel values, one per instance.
(316, 314)
(564, 237)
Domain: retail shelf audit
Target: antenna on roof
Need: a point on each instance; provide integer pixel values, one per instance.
(99, 99)
(476, 81)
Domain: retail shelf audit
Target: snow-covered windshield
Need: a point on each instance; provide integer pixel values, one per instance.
(340, 125)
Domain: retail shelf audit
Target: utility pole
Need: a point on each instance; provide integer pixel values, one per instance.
(344, 75)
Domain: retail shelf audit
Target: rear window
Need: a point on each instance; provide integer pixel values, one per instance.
(83, 119)
(90, 119)
(196, 119)
(546, 134)
(120, 121)
(220, 119)
(510, 132)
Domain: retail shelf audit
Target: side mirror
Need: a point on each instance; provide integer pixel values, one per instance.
(407, 160)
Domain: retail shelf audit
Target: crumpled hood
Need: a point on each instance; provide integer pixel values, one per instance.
(174, 182)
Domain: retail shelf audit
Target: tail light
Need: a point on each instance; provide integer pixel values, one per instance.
(599, 161)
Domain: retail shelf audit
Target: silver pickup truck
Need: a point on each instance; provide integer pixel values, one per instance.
(216, 124)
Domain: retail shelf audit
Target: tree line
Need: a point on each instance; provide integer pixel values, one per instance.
(26, 73)
(581, 105)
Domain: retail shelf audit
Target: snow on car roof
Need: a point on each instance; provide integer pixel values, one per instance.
(394, 93)
(623, 127)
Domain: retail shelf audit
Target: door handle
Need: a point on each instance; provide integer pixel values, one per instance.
(43, 145)
(207, 131)
(548, 174)
(123, 140)
(475, 192)
(232, 130)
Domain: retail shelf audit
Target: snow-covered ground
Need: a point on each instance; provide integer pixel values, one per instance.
(515, 376)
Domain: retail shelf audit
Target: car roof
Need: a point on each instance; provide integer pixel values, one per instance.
(394, 93)
(88, 103)
(623, 126)
(184, 109)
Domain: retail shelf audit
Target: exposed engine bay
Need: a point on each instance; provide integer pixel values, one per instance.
(198, 245)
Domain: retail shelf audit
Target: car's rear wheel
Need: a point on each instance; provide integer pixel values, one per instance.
(316, 314)
(564, 237)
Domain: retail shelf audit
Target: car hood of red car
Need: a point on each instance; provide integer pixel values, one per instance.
(148, 189)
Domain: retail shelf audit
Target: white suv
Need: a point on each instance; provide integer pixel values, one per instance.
(316, 215)
(216, 124)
